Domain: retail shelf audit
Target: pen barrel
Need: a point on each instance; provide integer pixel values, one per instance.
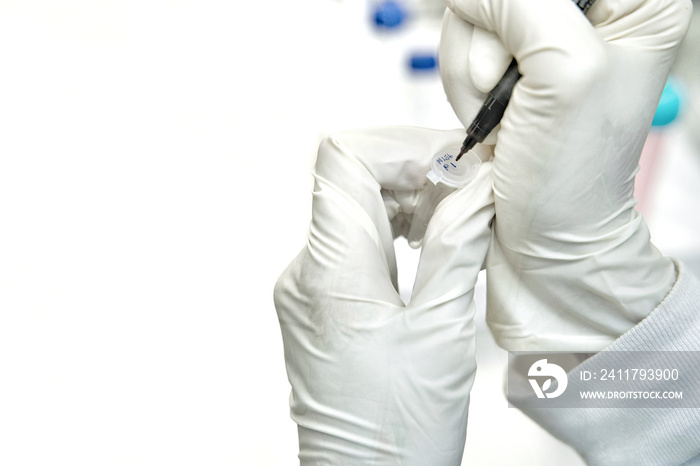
(584, 5)
(495, 105)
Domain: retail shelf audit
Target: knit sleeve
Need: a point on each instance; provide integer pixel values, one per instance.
(640, 436)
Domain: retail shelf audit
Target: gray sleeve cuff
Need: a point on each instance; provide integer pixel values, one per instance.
(675, 323)
(640, 436)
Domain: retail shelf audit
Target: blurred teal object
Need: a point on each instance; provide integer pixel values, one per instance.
(669, 105)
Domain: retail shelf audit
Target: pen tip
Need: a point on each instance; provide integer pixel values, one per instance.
(469, 143)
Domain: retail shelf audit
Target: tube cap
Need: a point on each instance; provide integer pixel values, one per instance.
(389, 14)
(669, 105)
(422, 61)
(444, 169)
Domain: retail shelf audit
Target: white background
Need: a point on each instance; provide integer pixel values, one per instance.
(154, 182)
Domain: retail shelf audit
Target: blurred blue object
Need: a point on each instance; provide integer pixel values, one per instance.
(669, 104)
(423, 61)
(389, 14)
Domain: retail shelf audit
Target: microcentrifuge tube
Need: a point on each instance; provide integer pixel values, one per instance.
(446, 176)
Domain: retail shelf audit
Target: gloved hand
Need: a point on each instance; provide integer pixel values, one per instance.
(571, 265)
(375, 381)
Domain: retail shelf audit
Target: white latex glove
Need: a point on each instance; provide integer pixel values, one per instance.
(375, 382)
(571, 265)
